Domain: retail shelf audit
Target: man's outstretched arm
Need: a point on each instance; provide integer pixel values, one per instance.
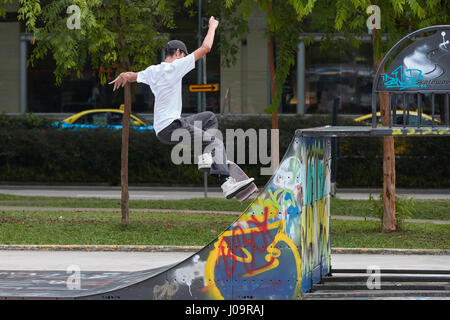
(123, 78)
(209, 39)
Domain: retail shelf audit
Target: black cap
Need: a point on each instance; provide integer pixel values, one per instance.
(177, 44)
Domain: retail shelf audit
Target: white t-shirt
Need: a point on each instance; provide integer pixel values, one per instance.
(164, 80)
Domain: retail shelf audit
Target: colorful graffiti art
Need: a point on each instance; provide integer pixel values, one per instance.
(315, 225)
(404, 78)
(276, 249)
(261, 255)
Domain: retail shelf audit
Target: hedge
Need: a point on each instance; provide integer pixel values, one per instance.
(32, 151)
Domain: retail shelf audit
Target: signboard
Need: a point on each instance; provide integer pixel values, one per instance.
(423, 65)
(204, 87)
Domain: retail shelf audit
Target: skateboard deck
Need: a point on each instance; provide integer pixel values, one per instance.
(238, 174)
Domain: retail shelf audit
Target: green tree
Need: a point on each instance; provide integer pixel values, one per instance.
(284, 23)
(111, 36)
(3, 3)
(286, 19)
(396, 19)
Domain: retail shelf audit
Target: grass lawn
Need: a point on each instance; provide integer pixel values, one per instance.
(104, 228)
(366, 234)
(216, 204)
(50, 227)
(424, 209)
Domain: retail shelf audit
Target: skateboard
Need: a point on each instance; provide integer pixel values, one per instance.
(238, 174)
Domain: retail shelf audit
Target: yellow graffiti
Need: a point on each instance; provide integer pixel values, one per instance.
(221, 249)
(272, 203)
(429, 131)
(272, 263)
(324, 224)
(320, 209)
(426, 132)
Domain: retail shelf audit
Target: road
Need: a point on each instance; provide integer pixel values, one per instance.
(136, 261)
(175, 193)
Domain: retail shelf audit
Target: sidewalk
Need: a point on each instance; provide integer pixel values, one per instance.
(22, 208)
(136, 261)
(174, 193)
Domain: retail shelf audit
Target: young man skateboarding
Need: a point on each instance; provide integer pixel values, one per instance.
(164, 80)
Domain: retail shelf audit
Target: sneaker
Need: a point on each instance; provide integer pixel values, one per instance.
(231, 187)
(205, 161)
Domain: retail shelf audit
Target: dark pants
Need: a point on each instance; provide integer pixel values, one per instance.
(209, 143)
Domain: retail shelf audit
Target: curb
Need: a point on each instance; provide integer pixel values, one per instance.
(187, 211)
(99, 248)
(131, 248)
(389, 251)
(117, 210)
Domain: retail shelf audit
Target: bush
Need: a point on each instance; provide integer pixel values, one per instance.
(33, 151)
(404, 209)
(25, 121)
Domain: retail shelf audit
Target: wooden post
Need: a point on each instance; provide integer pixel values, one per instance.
(124, 67)
(389, 223)
(124, 157)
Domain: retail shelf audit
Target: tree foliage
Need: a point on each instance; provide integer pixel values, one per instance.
(119, 35)
(3, 3)
(288, 18)
(284, 21)
(114, 35)
(398, 18)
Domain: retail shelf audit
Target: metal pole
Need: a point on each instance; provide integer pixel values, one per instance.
(205, 174)
(433, 108)
(199, 63)
(404, 110)
(205, 81)
(301, 79)
(200, 79)
(447, 109)
(23, 75)
(334, 148)
(419, 109)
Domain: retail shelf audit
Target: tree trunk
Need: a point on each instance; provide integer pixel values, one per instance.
(275, 142)
(389, 220)
(389, 223)
(124, 166)
(124, 67)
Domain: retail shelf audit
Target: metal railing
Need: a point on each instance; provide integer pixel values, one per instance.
(401, 98)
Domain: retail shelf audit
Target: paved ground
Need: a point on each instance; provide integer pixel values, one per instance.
(88, 261)
(334, 217)
(172, 193)
(135, 261)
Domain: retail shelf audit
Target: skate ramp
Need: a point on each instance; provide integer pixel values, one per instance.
(277, 249)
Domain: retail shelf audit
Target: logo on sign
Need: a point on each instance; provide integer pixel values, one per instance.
(403, 78)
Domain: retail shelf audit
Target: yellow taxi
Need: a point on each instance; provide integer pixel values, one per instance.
(101, 118)
(413, 119)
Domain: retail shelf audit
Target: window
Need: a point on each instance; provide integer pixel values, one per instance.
(97, 118)
(339, 70)
(115, 118)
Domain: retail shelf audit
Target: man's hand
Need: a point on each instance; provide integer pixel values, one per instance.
(213, 23)
(208, 41)
(122, 79)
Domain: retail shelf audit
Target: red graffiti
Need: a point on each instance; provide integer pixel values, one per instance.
(240, 240)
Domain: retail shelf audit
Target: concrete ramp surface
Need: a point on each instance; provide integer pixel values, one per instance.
(277, 249)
